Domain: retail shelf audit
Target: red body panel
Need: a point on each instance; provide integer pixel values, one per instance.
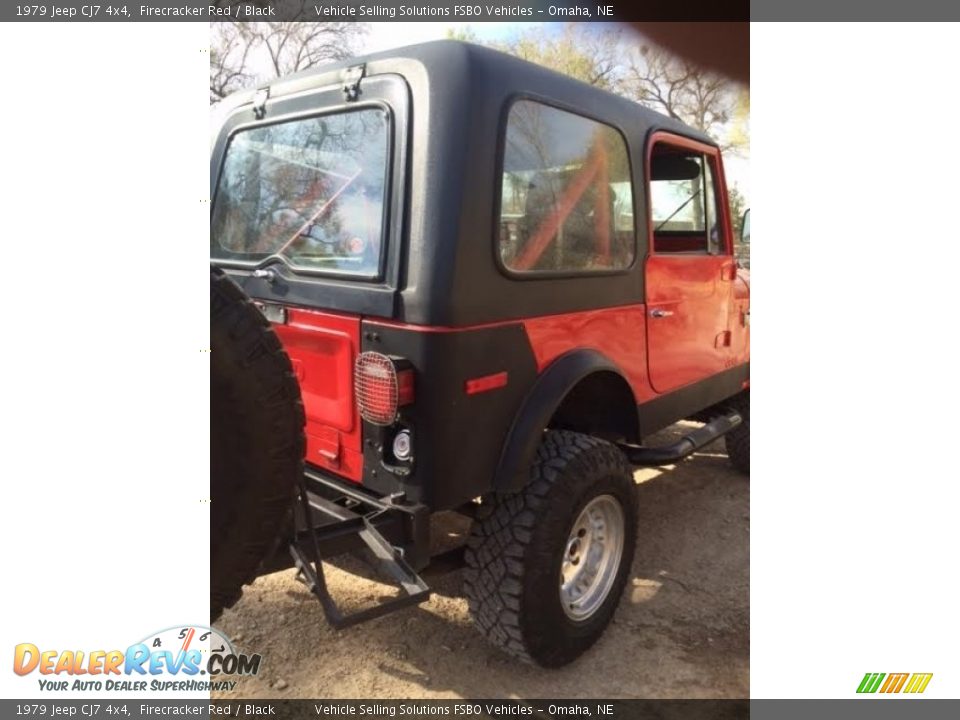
(692, 331)
(323, 347)
(739, 321)
(619, 333)
(692, 341)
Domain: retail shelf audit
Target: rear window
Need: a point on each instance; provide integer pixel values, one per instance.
(311, 191)
(566, 196)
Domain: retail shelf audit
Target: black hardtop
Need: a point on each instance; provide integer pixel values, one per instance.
(447, 273)
(448, 62)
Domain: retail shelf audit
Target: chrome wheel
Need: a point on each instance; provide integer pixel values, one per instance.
(591, 557)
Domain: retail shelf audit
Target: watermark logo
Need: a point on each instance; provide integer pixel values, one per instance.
(912, 683)
(180, 658)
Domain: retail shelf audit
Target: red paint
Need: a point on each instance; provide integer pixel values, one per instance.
(378, 322)
(405, 394)
(485, 383)
(740, 342)
(619, 333)
(694, 336)
(188, 640)
(322, 347)
(683, 343)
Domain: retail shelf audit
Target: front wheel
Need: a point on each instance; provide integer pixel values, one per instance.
(546, 566)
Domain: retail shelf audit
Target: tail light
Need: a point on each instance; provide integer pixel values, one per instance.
(383, 385)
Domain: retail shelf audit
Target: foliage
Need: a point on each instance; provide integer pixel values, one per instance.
(738, 206)
(606, 57)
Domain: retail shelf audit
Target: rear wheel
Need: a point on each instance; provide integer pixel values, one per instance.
(256, 440)
(546, 566)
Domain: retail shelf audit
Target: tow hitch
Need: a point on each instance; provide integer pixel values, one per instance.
(334, 519)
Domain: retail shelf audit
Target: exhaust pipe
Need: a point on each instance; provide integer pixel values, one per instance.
(687, 445)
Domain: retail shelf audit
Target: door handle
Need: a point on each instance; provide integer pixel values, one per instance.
(660, 313)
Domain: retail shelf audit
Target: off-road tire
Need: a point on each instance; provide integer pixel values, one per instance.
(515, 549)
(738, 439)
(256, 440)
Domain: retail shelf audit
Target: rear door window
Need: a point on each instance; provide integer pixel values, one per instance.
(566, 199)
(310, 191)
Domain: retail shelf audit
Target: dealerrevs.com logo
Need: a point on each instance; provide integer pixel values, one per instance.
(182, 658)
(910, 683)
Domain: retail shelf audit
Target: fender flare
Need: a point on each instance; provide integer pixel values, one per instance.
(539, 406)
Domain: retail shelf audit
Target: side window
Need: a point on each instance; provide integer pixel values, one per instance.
(566, 196)
(684, 207)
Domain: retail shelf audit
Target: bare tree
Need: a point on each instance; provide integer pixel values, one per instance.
(651, 75)
(243, 54)
(584, 53)
(686, 92)
(578, 51)
(229, 53)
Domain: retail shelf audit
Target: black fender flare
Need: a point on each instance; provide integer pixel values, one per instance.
(539, 406)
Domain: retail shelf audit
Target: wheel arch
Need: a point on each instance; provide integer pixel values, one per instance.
(583, 391)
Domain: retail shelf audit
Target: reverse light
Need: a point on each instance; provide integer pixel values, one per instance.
(383, 385)
(403, 445)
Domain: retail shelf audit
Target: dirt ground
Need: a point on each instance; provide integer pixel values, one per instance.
(682, 628)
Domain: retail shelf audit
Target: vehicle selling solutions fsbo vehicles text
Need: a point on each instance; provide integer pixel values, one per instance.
(390, 11)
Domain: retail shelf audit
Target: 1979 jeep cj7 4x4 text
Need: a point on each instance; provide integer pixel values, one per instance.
(489, 283)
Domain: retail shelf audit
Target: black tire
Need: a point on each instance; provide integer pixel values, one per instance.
(738, 439)
(256, 440)
(515, 551)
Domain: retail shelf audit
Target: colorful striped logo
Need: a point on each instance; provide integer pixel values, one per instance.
(894, 682)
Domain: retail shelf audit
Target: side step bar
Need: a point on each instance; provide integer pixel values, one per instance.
(339, 519)
(687, 445)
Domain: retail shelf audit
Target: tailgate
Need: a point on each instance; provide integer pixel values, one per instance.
(323, 347)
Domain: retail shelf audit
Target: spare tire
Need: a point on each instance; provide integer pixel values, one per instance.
(256, 440)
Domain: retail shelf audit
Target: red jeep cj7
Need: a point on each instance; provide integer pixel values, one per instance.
(489, 283)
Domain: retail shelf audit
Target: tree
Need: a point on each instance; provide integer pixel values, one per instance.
(648, 74)
(243, 54)
(738, 206)
(585, 55)
(229, 52)
(588, 55)
(686, 92)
